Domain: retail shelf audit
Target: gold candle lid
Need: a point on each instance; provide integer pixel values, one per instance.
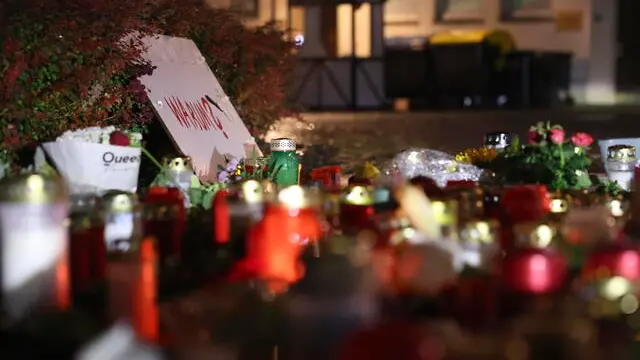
(178, 164)
(357, 195)
(33, 189)
(120, 202)
(250, 192)
(621, 153)
(297, 197)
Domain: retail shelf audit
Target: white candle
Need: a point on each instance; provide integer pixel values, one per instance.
(33, 229)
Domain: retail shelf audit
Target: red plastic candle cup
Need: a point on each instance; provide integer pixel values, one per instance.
(526, 203)
(328, 176)
(355, 217)
(534, 271)
(275, 244)
(221, 218)
(168, 228)
(617, 259)
(88, 258)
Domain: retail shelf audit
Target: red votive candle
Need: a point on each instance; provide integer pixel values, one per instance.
(165, 218)
(328, 176)
(355, 217)
(617, 259)
(87, 250)
(534, 271)
(526, 203)
(275, 243)
(88, 258)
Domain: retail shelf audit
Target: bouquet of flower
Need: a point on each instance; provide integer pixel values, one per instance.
(95, 159)
(548, 158)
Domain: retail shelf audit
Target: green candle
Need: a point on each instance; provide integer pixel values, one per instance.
(283, 162)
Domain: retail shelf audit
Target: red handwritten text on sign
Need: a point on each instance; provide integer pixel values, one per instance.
(195, 114)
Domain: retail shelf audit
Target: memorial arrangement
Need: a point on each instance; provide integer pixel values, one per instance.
(233, 249)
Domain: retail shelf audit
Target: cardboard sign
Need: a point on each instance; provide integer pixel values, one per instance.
(192, 105)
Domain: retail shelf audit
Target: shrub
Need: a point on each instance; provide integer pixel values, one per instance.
(64, 64)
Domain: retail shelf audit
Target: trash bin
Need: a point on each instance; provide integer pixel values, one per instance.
(406, 63)
(538, 79)
(468, 67)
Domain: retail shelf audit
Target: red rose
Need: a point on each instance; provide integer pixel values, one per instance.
(582, 139)
(532, 137)
(556, 135)
(119, 138)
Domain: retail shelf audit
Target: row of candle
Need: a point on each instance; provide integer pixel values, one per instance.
(113, 230)
(60, 250)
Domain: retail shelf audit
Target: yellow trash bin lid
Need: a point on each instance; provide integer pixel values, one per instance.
(502, 39)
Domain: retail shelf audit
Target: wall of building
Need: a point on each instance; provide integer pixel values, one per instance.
(590, 37)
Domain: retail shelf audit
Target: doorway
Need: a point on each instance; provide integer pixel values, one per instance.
(627, 69)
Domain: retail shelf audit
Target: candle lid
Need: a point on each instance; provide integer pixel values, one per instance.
(621, 153)
(298, 197)
(250, 192)
(283, 144)
(84, 202)
(497, 139)
(33, 188)
(120, 202)
(178, 164)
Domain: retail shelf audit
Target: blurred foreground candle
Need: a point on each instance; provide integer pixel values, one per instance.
(284, 162)
(123, 221)
(131, 269)
(534, 270)
(33, 227)
(526, 203)
(88, 255)
(274, 244)
(235, 210)
(328, 176)
(132, 278)
(356, 209)
(164, 219)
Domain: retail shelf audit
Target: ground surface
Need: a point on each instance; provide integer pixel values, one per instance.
(379, 135)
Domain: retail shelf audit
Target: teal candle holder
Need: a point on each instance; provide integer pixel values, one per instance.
(284, 163)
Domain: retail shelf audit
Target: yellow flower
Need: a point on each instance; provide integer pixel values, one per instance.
(476, 155)
(367, 171)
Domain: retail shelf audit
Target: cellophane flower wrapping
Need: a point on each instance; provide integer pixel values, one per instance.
(90, 164)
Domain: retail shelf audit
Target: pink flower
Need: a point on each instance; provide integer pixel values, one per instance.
(556, 135)
(582, 139)
(532, 136)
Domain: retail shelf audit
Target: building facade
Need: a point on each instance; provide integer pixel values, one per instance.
(588, 29)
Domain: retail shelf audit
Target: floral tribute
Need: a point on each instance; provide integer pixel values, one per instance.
(550, 157)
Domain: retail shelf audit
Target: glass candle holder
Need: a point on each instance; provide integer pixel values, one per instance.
(526, 203)
(356, 209)
(284, 164)
(290, 223)
(620, 165)
(34, 235)
(88, 254)
(165, 220)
